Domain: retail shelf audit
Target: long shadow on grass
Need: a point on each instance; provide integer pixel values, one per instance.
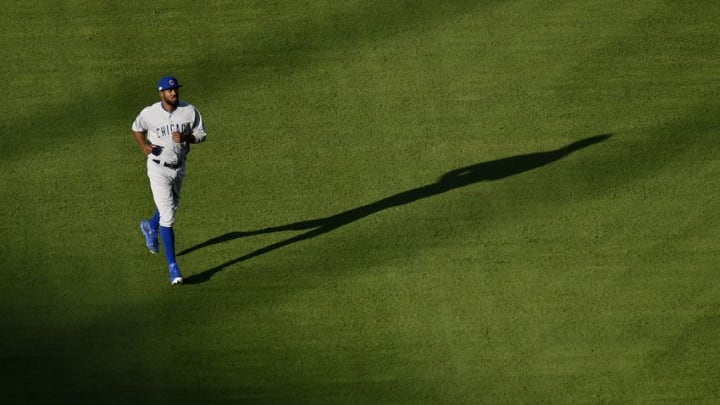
(486, 171)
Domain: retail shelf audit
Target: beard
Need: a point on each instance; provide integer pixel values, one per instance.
(171, 100)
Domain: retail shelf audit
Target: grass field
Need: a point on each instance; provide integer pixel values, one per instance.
(398, 202)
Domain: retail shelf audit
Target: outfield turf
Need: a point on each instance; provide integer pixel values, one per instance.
(398, 202)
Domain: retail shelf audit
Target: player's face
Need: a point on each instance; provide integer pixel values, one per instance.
(171, 96)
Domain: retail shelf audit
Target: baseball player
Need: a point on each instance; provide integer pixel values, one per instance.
(164, 132)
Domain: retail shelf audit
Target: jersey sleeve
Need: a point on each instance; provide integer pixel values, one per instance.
(139, 125)
(198, 128)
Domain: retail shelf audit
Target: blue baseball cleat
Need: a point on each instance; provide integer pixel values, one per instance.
(151, 238)
(175, 276)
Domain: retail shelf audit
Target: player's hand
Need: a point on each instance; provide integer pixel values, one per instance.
(149, 148)
(178, 137)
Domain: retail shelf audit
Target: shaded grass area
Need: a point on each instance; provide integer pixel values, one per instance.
(337, 264)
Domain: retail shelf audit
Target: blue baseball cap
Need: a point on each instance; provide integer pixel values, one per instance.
(167, 83)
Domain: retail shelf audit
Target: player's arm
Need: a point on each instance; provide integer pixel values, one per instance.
(193, 134)
(139, 129)
(141, 139)
(198, 129)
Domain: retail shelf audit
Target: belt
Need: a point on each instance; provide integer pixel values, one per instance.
(169, 165)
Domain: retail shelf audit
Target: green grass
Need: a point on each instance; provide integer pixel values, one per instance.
(336, 253)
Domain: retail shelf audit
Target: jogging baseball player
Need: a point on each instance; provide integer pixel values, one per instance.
(164, 132)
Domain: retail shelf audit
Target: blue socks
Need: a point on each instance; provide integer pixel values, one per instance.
(155, 221)
(167, 235)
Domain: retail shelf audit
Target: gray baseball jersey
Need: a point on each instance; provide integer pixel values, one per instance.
(160, 124)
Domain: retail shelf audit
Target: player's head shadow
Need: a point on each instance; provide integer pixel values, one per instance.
(465, 176)
(510, 166)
